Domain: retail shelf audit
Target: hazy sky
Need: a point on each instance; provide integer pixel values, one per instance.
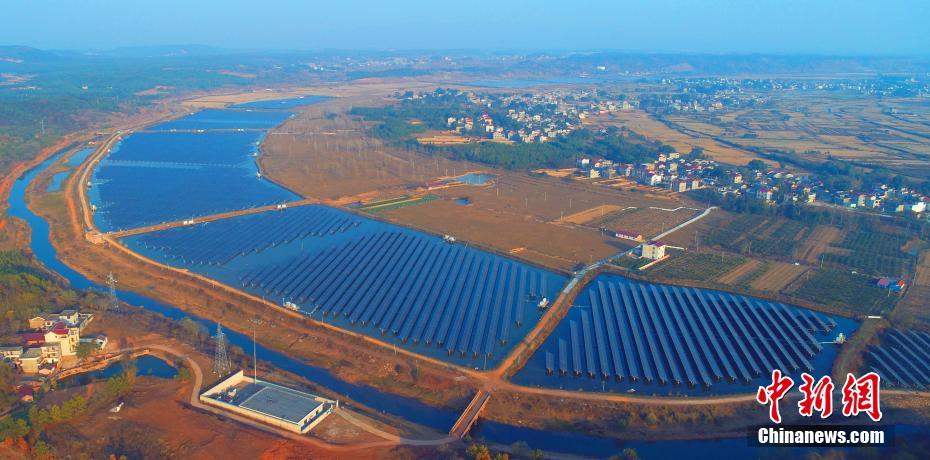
(711, 26)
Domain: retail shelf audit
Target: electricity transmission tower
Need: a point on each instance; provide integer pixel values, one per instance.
(114, 301)
(221, 360)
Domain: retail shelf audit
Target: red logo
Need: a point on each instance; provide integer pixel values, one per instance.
(773, 393)
(817, 396)
(861, 395)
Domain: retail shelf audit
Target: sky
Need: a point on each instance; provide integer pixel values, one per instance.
(891, 27)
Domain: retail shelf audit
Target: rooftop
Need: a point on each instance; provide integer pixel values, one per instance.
(276, 401)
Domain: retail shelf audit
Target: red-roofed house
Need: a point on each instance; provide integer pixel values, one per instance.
(32, 338)
(893, 284)
(628, 235)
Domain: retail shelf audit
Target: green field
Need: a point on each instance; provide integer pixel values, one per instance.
(845, 289)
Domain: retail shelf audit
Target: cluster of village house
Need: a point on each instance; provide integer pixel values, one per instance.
(529, 118)
(50, 338)
(667, 171)
(783, 187)
(677, 174)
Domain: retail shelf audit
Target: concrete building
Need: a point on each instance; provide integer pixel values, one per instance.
(30, 360)
(269, 403)
(654, 250)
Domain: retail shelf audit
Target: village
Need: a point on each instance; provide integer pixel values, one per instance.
(50, 341)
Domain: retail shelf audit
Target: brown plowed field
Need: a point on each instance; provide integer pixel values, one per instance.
(777, 276)
(734, 275)
(818, 242)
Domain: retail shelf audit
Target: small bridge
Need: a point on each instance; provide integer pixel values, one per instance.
(470, 416)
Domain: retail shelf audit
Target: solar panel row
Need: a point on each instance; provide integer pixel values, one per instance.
(217, 243)
(640, 331)
(903, 358)
(416, 287)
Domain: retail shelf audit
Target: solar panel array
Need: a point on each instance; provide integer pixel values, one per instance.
(208, 148)
(225, 119)
(132, 196)
(278, 104)
(415, 287)
(902, 359)
(656, 333)
(156, 177)
(217, 243)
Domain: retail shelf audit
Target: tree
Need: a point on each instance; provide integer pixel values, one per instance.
(756, 165)
(478, 452)
(193, 329)
(42, 451)
(85, 349)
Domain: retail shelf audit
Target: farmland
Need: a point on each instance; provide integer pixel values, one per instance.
(698, 266)
(327, 154)
(777, 277)
(811, 125)
(648, 221)
(591, 214)
(912, 309)
(847, 290)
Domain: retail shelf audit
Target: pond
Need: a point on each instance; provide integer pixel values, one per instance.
(55, 184)
(146, 365)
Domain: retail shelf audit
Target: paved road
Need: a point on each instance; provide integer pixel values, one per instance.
(684, 224)
(210, 218)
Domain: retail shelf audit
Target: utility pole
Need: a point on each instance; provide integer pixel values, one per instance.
(254, 322)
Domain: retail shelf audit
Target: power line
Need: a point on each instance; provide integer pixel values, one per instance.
(221, 364)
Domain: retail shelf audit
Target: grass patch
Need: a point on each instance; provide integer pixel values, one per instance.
(699, 266)
(376, 208)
